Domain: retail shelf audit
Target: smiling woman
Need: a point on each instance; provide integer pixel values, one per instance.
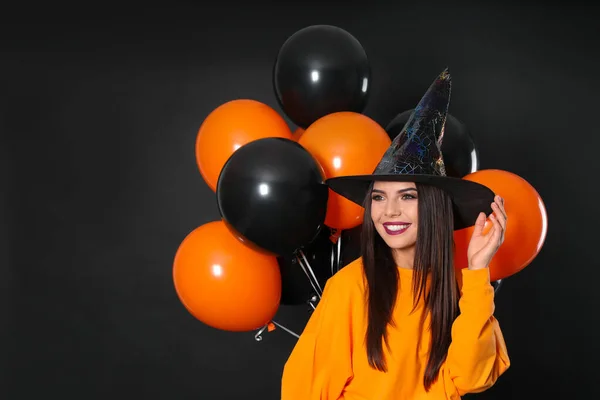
(395, 212)
(417, 241)
(441, 338)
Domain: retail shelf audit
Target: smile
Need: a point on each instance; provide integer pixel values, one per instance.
(395, 229)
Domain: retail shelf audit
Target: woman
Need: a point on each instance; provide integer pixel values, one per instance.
(399, 323)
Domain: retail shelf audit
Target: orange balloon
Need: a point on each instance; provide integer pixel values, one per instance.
(298, 134)
(345, 143)
(526, 229)
(223, 283)
(229, 127)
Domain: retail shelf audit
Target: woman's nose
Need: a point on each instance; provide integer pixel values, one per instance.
(392, 210)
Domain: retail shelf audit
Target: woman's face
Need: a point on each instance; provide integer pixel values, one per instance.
(394, 211)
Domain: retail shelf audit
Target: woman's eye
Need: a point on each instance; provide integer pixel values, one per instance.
(408, 197)
(377, 197)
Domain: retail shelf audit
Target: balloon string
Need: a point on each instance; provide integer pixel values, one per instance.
(314, 280)
(286, 329)
(332, 259)
(310, 270)
(258, 337)
(499, 283)
(308, 276)
(339, 251)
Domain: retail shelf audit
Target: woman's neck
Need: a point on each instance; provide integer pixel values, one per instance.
(404, 258)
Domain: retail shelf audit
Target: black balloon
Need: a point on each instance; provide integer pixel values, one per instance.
(295, 285)
(460, 154)
(320, 70)
(350, 246)
(271, 194)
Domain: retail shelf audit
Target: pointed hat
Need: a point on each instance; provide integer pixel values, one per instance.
(415, 156)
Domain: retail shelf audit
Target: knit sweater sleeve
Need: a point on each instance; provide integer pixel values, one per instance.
(320, 364)
(477, 355)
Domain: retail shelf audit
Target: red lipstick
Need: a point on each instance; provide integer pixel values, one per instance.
(396, 228)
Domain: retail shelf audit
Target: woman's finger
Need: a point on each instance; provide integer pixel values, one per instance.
(496, 232)
(500, 215)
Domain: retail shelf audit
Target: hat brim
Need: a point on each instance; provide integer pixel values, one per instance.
(469, 198)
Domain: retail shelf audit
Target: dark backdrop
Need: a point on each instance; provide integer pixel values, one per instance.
(99, 109)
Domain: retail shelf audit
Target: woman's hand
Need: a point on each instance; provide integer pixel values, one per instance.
(483, 247)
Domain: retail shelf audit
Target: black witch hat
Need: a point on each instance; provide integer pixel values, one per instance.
(415, 156)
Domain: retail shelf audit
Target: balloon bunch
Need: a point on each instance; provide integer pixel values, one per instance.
(282, 232)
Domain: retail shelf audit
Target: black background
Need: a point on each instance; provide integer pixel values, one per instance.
(99, 109)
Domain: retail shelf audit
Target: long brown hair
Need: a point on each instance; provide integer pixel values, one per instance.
(434, 256)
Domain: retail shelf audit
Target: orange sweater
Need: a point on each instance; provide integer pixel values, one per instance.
(329, 361)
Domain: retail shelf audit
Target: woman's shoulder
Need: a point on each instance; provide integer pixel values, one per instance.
(349, 279)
